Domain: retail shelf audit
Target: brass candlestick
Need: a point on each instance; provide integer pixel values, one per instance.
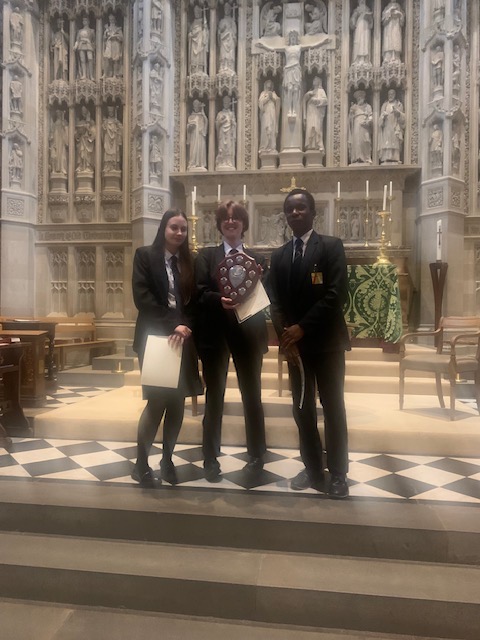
(383, 258)
(193, 219)
(337, 201)
(389, 243)
(367, 200)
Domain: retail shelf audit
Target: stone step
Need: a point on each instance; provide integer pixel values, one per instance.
(391, 569)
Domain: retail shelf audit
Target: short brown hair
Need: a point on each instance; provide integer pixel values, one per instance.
(234, 210)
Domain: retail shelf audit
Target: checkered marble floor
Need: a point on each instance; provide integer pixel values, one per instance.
(371, 475)
(69, 395)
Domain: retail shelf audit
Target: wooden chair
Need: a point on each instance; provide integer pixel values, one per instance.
(457, 353)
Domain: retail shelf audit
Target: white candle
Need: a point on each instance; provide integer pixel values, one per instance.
(439, 240)
(244, 192)
(338, 190)
(366, 189)
(194, 193)
(219, 191)
(193, 203)
(391, 189)
(384, 198)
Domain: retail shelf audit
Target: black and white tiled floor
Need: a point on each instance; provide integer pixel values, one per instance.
(371, 475)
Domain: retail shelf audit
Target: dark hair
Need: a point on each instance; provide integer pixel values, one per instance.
(184, 256)
(232, 209)
(308, 196)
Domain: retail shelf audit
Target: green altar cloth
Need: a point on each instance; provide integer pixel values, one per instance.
(373, 306)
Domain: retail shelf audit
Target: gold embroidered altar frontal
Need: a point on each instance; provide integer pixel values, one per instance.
(373, 306)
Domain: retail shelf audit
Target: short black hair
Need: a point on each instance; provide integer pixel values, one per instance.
(308, 196)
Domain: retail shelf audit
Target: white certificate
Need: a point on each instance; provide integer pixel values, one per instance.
(161, 363)
(255, 302)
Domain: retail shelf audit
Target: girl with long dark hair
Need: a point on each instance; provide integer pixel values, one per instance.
(163, 285)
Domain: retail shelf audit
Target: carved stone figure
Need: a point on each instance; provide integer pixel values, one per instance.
(112, 141)
(59, 144)
(16, 94)
(208, 228)
(438, 7)
(456, 72)
(226, 126)
(354, 227)
(155, 157)
(361, 22)
(59, 48)
(16, 29)
(112, 48)
(456, 151)
(156, 16)
(360, 119)
(156, 87)
(198, 42)
(268, 20)
(342, 226)
(85, 48)
(15, 164)
(393, 19)
(227, 40)
(85, 139)
(314, 108)
(437, 63)
(391, 128)
(318, 18)
(197, 127)
(436, 148)
(269, 106)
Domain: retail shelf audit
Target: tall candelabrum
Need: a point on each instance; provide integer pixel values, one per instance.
(385, 235)
(193, 219)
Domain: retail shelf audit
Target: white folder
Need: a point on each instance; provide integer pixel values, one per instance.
(161, 363)
(255, 302)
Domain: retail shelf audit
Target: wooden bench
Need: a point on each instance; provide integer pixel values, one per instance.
(71, 334)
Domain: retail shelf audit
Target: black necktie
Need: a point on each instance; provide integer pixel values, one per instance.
(176, 281)
(232, 252)
(297, 259)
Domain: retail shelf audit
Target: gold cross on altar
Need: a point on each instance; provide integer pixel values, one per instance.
(293, 185)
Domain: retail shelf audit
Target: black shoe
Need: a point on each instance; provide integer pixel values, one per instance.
(255, 465)
(304, 481)
(212, 471)
(144, 478)
(168, 472)
(338, 487)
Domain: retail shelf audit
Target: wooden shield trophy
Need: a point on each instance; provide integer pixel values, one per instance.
(237, 276)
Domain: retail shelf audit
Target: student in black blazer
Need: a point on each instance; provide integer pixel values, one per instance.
(218, 334)
(163, 287)
(308, 288)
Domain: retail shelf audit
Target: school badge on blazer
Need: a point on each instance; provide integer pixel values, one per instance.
(237, 276)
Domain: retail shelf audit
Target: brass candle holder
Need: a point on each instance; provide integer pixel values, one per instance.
(382, 258)
(337, 201)
(193, 219)
(367, 200)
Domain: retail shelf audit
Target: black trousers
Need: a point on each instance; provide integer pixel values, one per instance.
(326, 372)
(248, 365)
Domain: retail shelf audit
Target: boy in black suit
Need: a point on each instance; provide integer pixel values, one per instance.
(308, 287)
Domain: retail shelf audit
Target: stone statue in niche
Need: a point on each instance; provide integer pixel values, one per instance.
(85, 49)
(155, 157)
(198, 42)
(456, 150)
(112, 48)
(226, 127)
(85, 139)
(59, 48)
(59, 144)
(16, 97)
(197, 128)
(156, 16)
(437, 63)
(393, 20)
(456, 73)
(227, 41)
(318, 18)
(360, 119)
(16, 29)
(112, 140)
(269, 106)
(15, 164)
(342, 226)
(361, 22)
(268, 20)
(354, 227)
(436, 149)
(156, 87)
(208, 228)
(314, 107)
(391, 128)
(438, 7)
